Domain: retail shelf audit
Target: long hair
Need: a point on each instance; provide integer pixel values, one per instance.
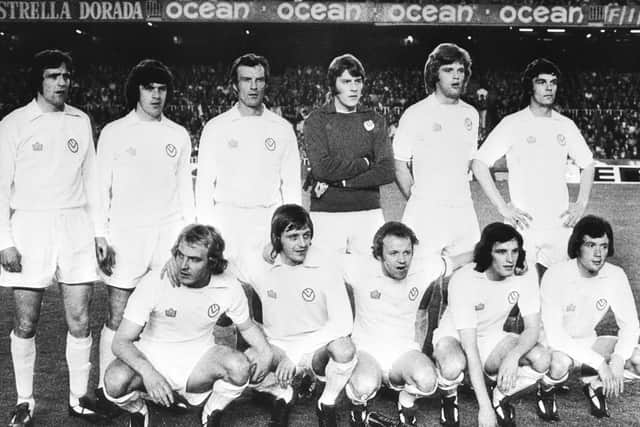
(497, 232)
(146, 72)
(592, 226)
(50, 58)
(339, 65)
(445, 54)
(391, 228)
(285, 218)
(208, 237)
(534, 69)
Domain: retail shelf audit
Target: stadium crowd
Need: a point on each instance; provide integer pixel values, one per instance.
(607, 118)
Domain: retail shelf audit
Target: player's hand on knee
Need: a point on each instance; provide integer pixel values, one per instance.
(171, 270)
(508, 373)
(487, 417)
(11, 259)
(573, 214)
(616, 364)
(516, 217)
(158, 388)
(285, 372)
(260, 363)
(607, 378)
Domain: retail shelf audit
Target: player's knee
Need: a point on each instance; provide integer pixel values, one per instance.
(116, 380)
(540, 359)
(425, 380)
(365, 385)
(451, 367)
(635, 358)
(78, 323)
(24, 328)
(559, 365)
(238, 368)
(342, 350)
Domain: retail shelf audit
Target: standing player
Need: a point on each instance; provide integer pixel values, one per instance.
(387, 289)
(576, 294)
(165, 343)
(50, 225)
(248, 162)
(480, 299)
(537, 141)
(433, 148)
(350, 159)
(306, 314)
(145, 182)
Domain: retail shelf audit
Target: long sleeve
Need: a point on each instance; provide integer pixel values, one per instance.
(185, 182)
(325, 166)
(626, 315)
(104, 158)
(382, 168)
(205, 181)
(7, 168)
(340, 317)
(90, 178)
(552, 321)
(290, 183)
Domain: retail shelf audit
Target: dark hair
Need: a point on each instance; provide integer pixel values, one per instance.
(497, 232)
(285, 218)
(208, 237)
(339, 65)
(248, 60)
(391, 228)
(533, 70)
(146, 72)
(50, 58)
(445, 54)
(592, 226)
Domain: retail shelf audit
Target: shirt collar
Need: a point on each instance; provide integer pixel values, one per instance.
(134, 118)
(330, 107)
(235, 113)
(34, 111)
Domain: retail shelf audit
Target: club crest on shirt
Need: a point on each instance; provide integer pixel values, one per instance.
(531, 139)
(413, 294)
(233, 143)
(272, 294)
(36, 146)
(375, 294)
(437, 127)
(214, 310)
(562, 140)
(601, 304)
(270, 144)
(308, 294)
(131, 151)
(72, 145)
(570, 308)
(171, 150)
(513, 297)
(468, 124)
(369, 125)
(170, 312)
(479, 307)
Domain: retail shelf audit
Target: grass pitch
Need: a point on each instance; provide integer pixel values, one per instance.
(620, 204)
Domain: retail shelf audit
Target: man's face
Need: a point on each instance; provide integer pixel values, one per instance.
(593, 254)
(397, 253)
(152, 99)
(450, 81)
(55, 86)
(250, 85)
(295, 244)
(545, 87)
(193, 264)
(348, 91)
(504, 257)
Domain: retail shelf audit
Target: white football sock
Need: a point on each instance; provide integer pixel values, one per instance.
(222, 394)
(23, 355)
(337, 375)
(106, 355)
(78, 352)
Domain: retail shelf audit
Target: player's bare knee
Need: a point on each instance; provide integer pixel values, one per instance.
(117, 379)
(453, 366)
(540, 359)
(238, 368)
(560, 364)
(342, 350)
(365, 385)
(24, 328)
(635, 359)
(425, 380)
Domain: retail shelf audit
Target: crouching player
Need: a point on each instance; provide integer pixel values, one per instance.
(576, 294)
(165, 346)
(306, 314)
(387, 289)
(481, 295)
